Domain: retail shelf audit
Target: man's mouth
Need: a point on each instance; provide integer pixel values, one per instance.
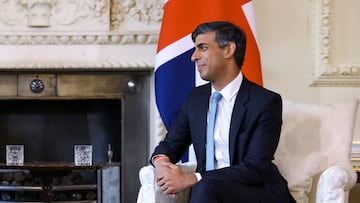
(201, 66)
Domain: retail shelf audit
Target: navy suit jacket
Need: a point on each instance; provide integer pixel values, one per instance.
(253, 137)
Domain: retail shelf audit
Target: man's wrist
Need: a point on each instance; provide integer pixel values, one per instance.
(158, 157)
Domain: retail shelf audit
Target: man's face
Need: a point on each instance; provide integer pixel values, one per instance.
(208, 56)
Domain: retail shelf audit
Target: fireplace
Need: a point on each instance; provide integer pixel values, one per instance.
(83, 64)
(50, 111)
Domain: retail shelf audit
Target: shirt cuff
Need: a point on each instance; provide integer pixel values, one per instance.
(198, 176)
(159, 156)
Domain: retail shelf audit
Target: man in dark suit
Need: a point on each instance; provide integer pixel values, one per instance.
(246, 133)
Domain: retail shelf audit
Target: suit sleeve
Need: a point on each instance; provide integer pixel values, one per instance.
(177, 140)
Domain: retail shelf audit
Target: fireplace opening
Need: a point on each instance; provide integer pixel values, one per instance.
(73, 107)
(55, 126)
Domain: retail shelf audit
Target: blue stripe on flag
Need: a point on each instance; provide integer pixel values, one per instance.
(173, 82)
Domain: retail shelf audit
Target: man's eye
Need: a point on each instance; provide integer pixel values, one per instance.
(203, 48)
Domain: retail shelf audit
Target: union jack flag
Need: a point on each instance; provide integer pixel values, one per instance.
(175, 73)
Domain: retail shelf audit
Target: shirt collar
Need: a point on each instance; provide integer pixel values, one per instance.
(231, 89)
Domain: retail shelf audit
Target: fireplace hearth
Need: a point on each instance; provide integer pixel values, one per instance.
(51, 111)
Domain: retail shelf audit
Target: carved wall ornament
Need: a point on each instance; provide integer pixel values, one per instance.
(11, 13)
(136, 11)
(79, 34)
(54, 15)
(323, 70)
(71, 22)
(79, 11)
(38, 12)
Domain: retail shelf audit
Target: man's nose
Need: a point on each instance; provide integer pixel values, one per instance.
(195, 56)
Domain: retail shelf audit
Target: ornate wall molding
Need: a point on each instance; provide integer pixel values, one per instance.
(148, 12)
(72, 22)
(323, 71)
(79, 34)
(89, 38)
(54, 15)
(98, 64)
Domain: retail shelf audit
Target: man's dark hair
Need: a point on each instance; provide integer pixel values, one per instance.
(225, 32)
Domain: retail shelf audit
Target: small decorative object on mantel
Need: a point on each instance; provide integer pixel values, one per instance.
(83, 155)
(14, 155)
(110, 153)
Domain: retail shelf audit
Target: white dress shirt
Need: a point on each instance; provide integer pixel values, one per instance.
(222, 122)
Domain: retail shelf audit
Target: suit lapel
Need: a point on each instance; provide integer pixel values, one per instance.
(199, 108)
(203, 109)
(237, 116)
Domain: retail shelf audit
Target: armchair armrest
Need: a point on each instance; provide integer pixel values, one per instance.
(335, 182)
(150, 193)
(147, 180)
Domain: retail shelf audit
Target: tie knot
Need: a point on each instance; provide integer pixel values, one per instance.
(216, 96)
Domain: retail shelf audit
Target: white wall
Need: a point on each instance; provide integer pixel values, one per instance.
(284, 41)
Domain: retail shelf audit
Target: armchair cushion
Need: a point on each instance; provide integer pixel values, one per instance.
(310, 139)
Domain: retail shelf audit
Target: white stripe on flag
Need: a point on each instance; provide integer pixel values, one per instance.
(173, 50)
(250, 17)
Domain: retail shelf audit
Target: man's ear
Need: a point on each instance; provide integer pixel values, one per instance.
(229, 50)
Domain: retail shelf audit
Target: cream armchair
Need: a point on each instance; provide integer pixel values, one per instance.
(313, 155)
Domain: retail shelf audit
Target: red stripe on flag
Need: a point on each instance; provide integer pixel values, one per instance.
(182, 16)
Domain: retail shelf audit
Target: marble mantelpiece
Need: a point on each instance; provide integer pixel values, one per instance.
(38, 34)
